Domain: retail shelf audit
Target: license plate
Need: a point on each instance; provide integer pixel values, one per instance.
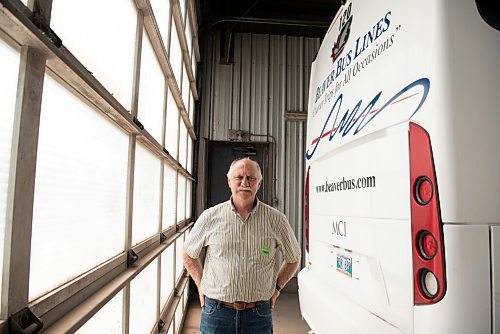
(344, 264)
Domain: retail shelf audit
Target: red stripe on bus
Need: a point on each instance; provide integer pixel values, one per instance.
(371, 112)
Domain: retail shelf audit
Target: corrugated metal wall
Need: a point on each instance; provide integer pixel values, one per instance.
(269, 76)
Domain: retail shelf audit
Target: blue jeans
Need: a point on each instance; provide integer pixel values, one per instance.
(217, 318)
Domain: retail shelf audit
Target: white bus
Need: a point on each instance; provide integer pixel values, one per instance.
(403, 171)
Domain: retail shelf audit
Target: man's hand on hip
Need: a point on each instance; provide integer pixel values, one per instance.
(274, 298)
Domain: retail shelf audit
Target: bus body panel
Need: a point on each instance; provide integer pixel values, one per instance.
(345, 314)
(361, 217)
(435, 41)
(495, 272)
(466, 307)
(461, 113)
(381, 65)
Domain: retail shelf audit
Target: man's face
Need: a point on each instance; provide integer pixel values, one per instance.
(244, 180)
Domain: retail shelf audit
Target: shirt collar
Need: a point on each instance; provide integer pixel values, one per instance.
(256, 204)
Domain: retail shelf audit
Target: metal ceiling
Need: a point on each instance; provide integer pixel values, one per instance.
(308, 18)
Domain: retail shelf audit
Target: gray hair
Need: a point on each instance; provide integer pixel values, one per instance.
(244, 158)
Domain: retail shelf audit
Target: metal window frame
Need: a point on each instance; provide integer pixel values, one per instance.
(153, 32)
(20, 193)
(95, 289)
(194, 28)
(63, 64)
(69, 306)
(176, 9)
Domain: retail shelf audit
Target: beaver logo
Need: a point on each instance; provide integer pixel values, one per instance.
(344, 32)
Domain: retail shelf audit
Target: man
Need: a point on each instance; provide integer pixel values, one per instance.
(239, 282)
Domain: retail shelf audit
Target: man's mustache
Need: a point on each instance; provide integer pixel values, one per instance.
(244, 189)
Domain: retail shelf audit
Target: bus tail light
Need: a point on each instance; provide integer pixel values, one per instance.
(429, 283)
(427, 245)
(306, 209)
(427, 235)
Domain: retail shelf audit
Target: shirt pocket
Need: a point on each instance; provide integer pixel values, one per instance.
(265, 252)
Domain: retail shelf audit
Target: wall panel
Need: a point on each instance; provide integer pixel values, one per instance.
(267, 76)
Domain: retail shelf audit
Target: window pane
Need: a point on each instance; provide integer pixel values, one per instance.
(9, 67)
(186, 92)
(178, 316)
(186, 295)
(191, 109)
(182, 144)
(151, 91)
(101, 34)
(193, 63)
(167, 274)
(161, 10)
(143, 294)
(80, 190)
(188, 200)
(189, 166)
(108, 320)
(172, 128)
(145, 217)
(181, 198)
(175, 54)
(179, 244)
(169, 199)
(182, 4)
(189, 36)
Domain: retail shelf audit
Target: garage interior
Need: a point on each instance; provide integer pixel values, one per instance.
(89, 141)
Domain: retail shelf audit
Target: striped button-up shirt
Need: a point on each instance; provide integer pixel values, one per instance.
(240, 262)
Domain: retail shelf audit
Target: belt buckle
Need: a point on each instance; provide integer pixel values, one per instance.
(240, 306)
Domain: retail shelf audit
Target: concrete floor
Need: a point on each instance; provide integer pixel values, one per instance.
(286, 316)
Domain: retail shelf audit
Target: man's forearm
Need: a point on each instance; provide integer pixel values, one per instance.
(286, 272)
(193, 267)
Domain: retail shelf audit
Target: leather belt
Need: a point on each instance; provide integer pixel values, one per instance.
(240, 306)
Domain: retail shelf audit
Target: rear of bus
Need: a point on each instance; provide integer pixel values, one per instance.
(403, 172)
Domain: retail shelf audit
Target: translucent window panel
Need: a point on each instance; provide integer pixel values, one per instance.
(9, 67)
(186, 295)
(151, 91)
(193, 63)
(172, 127)
(191, 109)
(189, 36)
(182, 143)
(143, 299)
(181, 198)
(175, 54)
(80, 190)
(161, 10)
(108, 320)
(145, 216)
(178, 316)
(179, 266)
(186, 92)
(169, 196)
(102, 35)
(188, 199)
(189, 165)
(182, 4)
(167, 275)
(171, 328)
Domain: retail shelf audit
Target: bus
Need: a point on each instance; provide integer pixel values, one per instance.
(402, 194)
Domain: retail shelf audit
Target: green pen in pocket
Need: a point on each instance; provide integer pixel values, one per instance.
(265, 250)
